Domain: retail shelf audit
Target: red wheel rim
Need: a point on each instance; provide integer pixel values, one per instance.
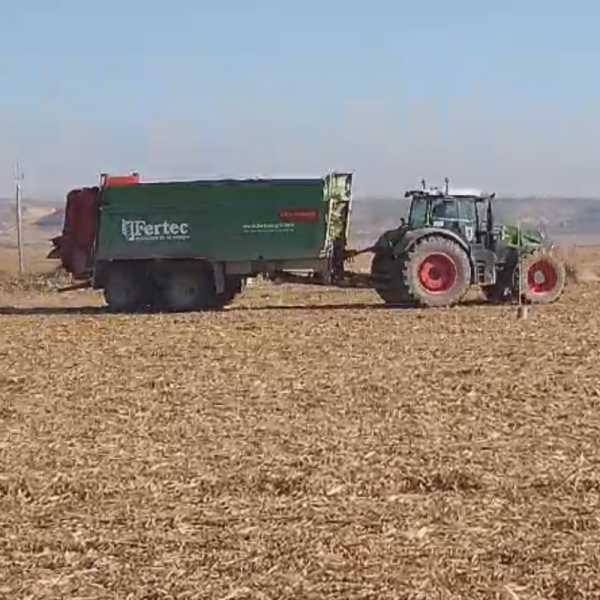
(541, 277)
(437, 273)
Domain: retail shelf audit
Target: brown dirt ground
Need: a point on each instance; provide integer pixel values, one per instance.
(303, 444)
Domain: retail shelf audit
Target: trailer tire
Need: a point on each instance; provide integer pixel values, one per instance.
(189, 289)
(124, 289)
(233, 287)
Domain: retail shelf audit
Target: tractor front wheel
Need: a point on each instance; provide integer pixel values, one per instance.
(437, 272)
(543, 278)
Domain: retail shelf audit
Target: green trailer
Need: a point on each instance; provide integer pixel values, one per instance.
(192, 245)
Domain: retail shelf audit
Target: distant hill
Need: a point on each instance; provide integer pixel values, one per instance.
(561, 218)
(573, 219)
(33, 213)
(52, 221)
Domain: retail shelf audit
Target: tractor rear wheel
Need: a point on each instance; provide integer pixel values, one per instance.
(437, 272)
(543, 277)
(389, 282)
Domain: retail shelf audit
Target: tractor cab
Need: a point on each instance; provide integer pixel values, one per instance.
(467, 213)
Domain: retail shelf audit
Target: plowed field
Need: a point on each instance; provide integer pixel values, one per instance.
(303, 444)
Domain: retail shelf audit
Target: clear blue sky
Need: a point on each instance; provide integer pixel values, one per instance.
(502, 95)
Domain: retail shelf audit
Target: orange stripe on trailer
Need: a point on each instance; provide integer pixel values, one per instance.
(120, 180)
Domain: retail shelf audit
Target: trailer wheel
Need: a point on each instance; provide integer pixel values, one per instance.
(388, 281)
(124, 289)
(437, 272)
(188, 289)
(233, 287)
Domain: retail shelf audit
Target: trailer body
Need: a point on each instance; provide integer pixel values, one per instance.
(155, 235)
(224, 221)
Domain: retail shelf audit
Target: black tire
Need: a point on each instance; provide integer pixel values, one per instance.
(125, 289)
(189, 289)
(543, 277)
(437, 272)
(388, 279)
(233, 287)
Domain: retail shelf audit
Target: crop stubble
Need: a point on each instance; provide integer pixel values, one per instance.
(273, 452)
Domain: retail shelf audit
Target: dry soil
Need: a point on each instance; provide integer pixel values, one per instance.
(302, 444)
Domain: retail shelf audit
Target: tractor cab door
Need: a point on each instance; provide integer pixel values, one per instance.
(418, 216)
(489, 234)
(457, 215)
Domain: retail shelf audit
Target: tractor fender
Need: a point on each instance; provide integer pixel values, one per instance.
(411, 238)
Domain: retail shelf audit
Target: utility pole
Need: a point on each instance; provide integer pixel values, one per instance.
(19, 210)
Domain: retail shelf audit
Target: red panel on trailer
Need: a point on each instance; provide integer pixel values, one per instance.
(75, 246)
(120, 180)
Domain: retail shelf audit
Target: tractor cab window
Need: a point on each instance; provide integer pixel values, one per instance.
(456, 214)
(469, 221)
(418, 213)
(443, 210)
(484, 216)
(468, 211)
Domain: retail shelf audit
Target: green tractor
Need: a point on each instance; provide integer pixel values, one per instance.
(450, 242)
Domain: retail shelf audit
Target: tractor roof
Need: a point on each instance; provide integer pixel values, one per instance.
(435, 192)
